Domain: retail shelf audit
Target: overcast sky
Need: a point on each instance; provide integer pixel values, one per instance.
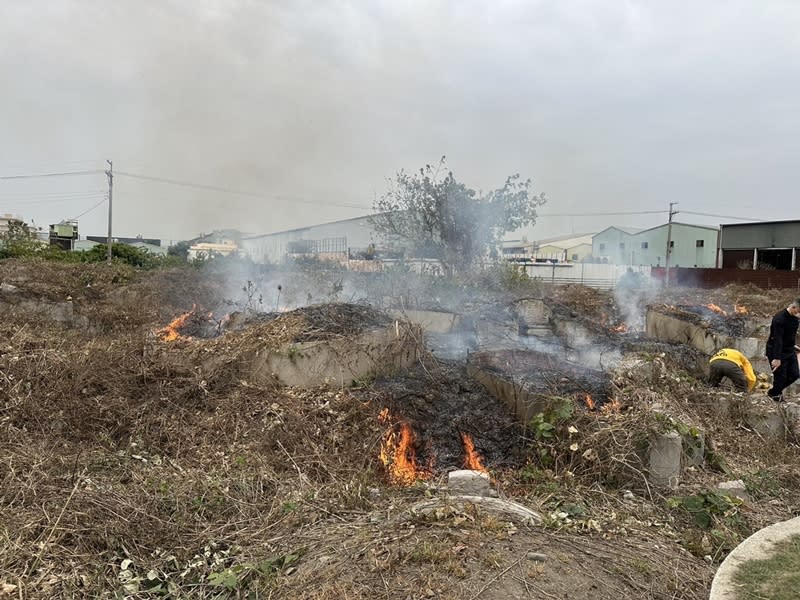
(616, 106)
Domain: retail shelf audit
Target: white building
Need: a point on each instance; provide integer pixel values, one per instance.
(572, 248)
(611, 244)
(690, 246)
(335, 238)
(204, 250)
(8, 220)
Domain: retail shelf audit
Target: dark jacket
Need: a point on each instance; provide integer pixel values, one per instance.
(782, 334)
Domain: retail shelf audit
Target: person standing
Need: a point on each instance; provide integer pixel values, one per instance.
(734, 365)
(781, 349)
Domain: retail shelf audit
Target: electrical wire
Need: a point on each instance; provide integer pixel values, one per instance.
(50, 201)
(604, 214)
(48, 165)
(703, 214)
(224, 190)
(62, 193)
(41, 175)
(88, 210)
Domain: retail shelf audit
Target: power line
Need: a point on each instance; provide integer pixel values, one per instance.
(23, 165)
(41, 175)
(224, 190)
(88, 210)
(604, 214)
(703, 214)
(26, 203)
(63, 194)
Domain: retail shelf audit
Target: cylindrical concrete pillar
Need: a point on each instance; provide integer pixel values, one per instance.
(665, 460)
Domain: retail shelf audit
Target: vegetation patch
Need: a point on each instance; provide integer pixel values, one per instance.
(776, 577)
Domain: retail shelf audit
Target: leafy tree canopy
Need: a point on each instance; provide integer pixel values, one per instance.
(435, 216)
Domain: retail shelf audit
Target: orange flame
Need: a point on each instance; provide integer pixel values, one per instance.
(613, 405)
(170, 333)
(621, 328)
(398, 456)
(590, 403)
(717, 309)
(740, 310)
(472, 460)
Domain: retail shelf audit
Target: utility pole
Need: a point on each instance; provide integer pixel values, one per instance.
(110, 174)
(669, 242)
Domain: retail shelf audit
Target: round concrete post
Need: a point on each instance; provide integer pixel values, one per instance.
(665, 460)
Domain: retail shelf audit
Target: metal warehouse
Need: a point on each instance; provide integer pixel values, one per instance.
(765, 245)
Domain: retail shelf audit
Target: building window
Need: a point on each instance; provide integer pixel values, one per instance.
(699, 243)
(622, 245)
(672, 243)
(602, 247)
(574, 257)
(644, 245)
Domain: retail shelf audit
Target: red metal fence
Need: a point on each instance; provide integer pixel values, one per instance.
(712, 278)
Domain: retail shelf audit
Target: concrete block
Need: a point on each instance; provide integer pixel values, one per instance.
(467, 482)
(665, 460)
(336, 362)
(735, 488)
(573, 334)
(766, 420)
(431, 321)
(790, 411)
(497, 335)
(750, 346)
(639, 370)
(673, 329)
(532, 313)
(522, 403)
(722, 405)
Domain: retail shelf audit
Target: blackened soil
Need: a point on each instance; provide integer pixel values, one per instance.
(440, 404)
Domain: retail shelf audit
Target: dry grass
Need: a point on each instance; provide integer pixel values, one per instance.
(125, 467)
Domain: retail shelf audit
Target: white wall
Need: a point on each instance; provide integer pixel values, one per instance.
(273, 247)
(611, 238)
(603, 276)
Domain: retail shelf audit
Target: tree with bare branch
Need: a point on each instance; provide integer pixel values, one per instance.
(433, 215)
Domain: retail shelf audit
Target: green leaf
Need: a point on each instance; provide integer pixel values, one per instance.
(227, 579)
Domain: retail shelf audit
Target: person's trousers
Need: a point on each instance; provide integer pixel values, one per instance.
(725, 368)
(784, 376)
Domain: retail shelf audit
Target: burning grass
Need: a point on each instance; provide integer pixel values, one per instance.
(126, 469)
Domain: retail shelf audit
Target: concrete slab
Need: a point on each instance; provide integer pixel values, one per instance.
(672, 329)
(509, 509)
(431, 321)
(467, 482)
(497, 335)
(665, 460)
(521, 402)
(758, 546)
(341, 361)
(767, 420)
(532, 313)
(573, 334)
